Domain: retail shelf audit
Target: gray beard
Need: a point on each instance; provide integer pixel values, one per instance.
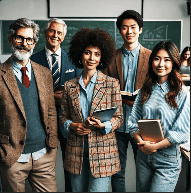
(21, 56)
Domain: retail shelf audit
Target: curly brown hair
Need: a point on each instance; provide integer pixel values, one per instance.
(174, 77)
(91, 37)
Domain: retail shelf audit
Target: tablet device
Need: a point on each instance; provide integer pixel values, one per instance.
(151, 130)
(105, 114)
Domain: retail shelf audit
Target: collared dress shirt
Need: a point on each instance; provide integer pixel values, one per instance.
(130, 61)
(86, 95)
(174, 121)
(17, 71)
(49, 57)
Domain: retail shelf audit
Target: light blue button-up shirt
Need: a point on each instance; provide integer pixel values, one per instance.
(130, 61)
(86, 95)
(17, 71)
(175, 122)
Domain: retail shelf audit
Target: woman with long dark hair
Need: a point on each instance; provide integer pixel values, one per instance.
(185, 62)
(165, 97)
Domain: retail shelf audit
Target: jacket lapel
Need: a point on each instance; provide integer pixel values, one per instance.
(75, 96)
(140, 67)
(119, 63)
(11, 82)
(63, 67)
(99, 91)
(41, 87)
(44, 59)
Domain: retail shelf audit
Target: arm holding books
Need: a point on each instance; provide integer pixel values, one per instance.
(150, 147)
(145, 146)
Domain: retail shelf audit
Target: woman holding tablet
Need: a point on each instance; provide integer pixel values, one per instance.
(163, 96)
(91, 151)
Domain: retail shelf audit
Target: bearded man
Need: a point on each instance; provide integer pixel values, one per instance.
(28, 119)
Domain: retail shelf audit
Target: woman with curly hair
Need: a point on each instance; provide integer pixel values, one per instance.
(91, 151)
(163, 96)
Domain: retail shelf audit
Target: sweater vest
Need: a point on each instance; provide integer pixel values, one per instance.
(35, 136)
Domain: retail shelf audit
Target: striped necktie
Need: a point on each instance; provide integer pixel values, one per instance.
(55, 70)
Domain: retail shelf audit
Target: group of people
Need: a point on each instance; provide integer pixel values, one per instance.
(62, 92)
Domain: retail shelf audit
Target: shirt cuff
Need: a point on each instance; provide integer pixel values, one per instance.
(133, 131)
(67, 126)
(108, 127)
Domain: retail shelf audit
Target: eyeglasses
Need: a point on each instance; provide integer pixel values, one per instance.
(20, 39)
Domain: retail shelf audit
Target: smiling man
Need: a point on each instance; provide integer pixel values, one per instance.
(28, 120)
(130, 67)
(56, 59)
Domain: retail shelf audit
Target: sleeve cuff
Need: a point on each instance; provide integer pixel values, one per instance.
(108, 127)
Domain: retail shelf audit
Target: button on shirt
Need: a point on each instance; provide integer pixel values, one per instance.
(175, 122)
(49, 57)
(17, 71)
(86, 96)
(130, 61)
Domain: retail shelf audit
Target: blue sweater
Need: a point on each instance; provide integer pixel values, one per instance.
(35, 136)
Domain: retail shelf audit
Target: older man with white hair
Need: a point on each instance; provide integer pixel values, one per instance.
(56, 59)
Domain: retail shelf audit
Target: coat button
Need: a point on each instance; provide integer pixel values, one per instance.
(21, 142)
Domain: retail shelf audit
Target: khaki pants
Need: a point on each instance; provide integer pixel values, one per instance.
(40, 174)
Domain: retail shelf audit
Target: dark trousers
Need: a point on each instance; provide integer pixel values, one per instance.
(67, 177)
(118, 179)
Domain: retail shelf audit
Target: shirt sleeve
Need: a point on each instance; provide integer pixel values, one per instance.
(180, 130)
(67, 126)
(108, 127)
(136, 114)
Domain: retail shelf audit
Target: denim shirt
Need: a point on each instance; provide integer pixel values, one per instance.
(86, 95)
(17, 71)
(130, 61)
(174, 121)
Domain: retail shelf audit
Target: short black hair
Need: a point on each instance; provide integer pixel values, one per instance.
(129, 14)
(91, 37)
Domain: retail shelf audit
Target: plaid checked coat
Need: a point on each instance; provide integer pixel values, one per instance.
(103, 149)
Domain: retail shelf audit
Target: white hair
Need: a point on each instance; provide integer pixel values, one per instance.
(57, 21)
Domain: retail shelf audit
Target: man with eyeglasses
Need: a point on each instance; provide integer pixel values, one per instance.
(28, 120)
(56, 59)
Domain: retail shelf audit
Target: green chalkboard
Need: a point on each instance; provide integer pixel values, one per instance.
(153, 32)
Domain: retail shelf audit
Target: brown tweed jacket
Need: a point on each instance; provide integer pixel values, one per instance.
(13, 123)
(116, 68)
(103, 150)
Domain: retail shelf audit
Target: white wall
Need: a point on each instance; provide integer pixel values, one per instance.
(153, 10)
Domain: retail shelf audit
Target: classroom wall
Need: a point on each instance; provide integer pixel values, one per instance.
(153, 10)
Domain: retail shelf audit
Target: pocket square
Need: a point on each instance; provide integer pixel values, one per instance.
(69, 70)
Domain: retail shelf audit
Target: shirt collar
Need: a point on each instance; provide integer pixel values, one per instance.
(92, 80)
(165, 86)
(133, 52)
(49, 53)
(17, 67)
